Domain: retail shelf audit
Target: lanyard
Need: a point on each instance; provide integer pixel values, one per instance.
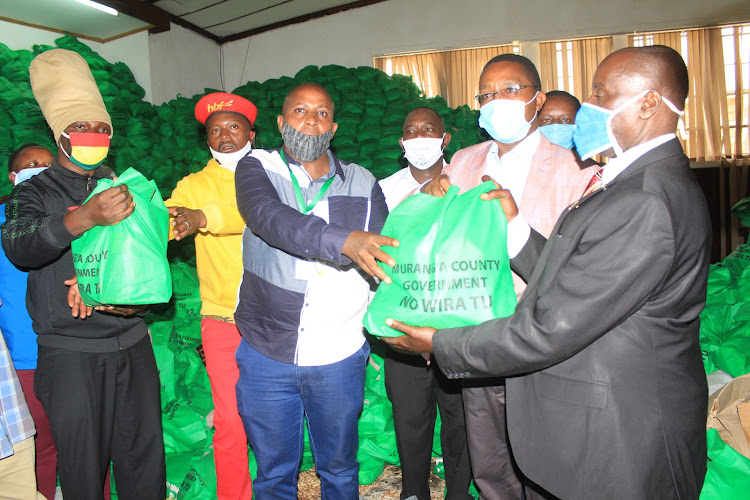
(298, 191)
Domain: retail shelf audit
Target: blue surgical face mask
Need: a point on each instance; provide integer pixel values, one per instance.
(26, 174)
(593, 133)
(559, 133)
(505, 119)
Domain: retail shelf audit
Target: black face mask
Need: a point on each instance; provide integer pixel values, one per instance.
(303, 147)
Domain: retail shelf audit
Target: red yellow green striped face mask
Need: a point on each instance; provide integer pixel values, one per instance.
(87, 150)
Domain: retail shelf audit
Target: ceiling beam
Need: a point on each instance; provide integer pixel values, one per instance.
(160, 19)
(155, 16)
(298, 19)
(196, 29)
(142, 11)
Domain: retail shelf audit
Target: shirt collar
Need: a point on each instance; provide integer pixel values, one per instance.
(618, 164)
(409, 175)
(522, 152)
(97, 173)
(334, 166)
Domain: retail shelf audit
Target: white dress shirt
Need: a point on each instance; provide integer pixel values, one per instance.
(396, 187)
(512, 169)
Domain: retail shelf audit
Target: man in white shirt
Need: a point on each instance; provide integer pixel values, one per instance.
(423, 141)
(413, 386)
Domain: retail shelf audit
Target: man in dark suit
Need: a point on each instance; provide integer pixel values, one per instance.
(606, 395)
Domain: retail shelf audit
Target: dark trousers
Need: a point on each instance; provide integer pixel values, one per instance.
(536, 492)
(46, 454)
(414, 388)
(495, 472)
(104, 406)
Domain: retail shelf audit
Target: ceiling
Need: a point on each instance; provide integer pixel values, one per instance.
(218, 20)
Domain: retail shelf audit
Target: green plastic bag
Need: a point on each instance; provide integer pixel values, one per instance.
(126, 263)
(184, 428)
(186, 289)
(728, 472)
(742, 210)
(452, 266)
(200, 481)
(178, 467)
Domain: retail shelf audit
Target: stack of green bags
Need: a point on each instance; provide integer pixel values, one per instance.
(725, 321)
(185, 390)
(21, 121)
(370, 111)
(377, 437)
(166, 143)
(725, 345)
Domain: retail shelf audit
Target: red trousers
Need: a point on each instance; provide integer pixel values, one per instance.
(220, 342)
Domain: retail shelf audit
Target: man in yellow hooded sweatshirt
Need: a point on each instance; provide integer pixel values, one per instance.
(206, 202)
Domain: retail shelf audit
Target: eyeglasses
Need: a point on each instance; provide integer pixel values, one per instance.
(504, 93)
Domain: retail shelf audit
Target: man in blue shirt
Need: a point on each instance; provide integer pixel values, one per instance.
(24, 163)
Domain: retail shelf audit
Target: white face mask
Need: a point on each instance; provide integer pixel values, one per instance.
(26, 173)
(505, 119)
(230, 160)
(423, 152)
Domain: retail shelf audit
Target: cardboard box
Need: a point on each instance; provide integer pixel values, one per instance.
(729, 413)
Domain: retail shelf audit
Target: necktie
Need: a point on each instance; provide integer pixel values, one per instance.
(594, 184)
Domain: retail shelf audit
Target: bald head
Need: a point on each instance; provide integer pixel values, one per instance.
(655, 67)
(643, 84)
(427, 118)
(305, 89)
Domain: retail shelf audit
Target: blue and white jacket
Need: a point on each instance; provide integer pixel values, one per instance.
(301, 300)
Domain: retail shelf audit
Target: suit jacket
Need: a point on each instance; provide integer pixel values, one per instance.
(557, 178)
(606, 395)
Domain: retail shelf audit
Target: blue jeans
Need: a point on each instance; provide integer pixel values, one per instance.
(273, 397)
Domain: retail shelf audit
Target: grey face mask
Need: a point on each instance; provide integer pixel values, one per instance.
(305, 148)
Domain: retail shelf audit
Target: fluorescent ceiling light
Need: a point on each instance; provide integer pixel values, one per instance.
(103, 8)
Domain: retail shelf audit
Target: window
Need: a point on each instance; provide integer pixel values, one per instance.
(716, 110)
(735, 45)
(569, 65)
(452, 74)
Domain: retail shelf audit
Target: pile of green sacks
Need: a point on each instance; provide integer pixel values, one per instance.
(725, 345)
(166, 143)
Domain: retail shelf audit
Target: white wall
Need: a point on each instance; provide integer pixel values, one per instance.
(133, 50)
(351, 38)
(177, 61)
(18, 37)
(182, 62)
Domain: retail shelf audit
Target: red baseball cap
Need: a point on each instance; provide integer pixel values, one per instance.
(228, 103)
